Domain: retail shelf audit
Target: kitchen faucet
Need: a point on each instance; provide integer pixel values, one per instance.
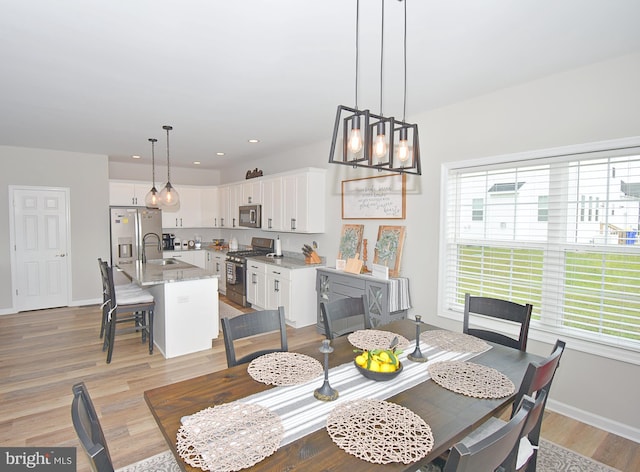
(144, 244)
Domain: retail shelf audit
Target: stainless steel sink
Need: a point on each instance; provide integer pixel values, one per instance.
(163, 262)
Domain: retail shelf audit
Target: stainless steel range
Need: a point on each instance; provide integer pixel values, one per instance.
(236, 265)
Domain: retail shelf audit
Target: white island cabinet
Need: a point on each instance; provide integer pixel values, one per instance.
(186, 305)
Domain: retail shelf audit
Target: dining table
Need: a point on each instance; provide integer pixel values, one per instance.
(450, 415)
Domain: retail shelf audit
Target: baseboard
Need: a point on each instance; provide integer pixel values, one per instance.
(91, 301)
(8, 311)
(597, 421)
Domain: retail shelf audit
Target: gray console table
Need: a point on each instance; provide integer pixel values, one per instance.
(388, 299)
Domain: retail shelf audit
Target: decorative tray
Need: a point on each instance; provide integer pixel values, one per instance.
(379, 432)
(229, 437)
(370, 339)
(452, 341)
(471, 379)
(284, 368)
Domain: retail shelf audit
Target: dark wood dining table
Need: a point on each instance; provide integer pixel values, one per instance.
(450, 415)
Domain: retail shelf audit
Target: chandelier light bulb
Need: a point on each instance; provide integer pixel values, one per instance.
(355, 136)
(404, 153)
(380, 142)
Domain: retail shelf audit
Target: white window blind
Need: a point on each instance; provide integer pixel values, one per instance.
(559, 232)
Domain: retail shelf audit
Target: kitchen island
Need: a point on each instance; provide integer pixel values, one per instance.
(186, 298)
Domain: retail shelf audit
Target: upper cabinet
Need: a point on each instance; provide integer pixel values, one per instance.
(128, 193)
(304, 202)
(272, 204)
(209, 202)
(291, 202)
(252, 192)
(189, 212)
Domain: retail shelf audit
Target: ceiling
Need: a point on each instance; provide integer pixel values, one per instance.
(102, 77)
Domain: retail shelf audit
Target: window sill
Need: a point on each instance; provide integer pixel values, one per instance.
(548, 335)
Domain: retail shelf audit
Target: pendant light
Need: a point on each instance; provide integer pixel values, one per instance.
(355, 124)
(374, 141)
(152, 199)
(169, 196)
(378, 156)
(407, 151)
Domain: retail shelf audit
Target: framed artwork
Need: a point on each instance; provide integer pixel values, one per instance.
(380, 197)
(388, 250)
(350, 241)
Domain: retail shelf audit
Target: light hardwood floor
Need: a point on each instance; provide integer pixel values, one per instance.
(43, 353)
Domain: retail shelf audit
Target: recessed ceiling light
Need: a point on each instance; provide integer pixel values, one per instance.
(196, 163)
(219, 153)
(254, 140)
(135, 157)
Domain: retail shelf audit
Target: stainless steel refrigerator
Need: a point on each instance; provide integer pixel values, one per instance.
(136, 234)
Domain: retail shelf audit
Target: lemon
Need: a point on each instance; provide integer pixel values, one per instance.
(384, 357)
(361, 360)
(387, 368)
(374, 366)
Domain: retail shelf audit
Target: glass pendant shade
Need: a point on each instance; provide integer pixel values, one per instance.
(152, 199)
(169, 196)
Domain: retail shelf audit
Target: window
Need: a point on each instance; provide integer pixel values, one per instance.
(563, 236)
(477, 209)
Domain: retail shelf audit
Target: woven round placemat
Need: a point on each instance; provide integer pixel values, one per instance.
(284, 368)
(452, 341)
(229, 437)
(370, 339)
(471, 379)
(379, 432)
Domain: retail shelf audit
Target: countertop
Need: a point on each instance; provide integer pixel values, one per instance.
(154, 273)
(286, 262)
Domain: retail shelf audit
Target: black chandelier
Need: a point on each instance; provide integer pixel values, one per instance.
(364, 140)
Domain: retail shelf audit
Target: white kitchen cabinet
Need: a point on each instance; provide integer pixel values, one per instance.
(235, 200)
(215, 262)
(189, 211)
(128, 193)
(294, 289)
(272, 204)
(223, 207)
(304, 202)
(256, 283)
(252, 192)
(210, 207)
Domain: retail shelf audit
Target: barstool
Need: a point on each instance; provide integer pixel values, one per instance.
(122, 289)
(136, 306)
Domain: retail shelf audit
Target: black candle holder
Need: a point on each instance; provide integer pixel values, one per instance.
(326, 392)
(416, 355)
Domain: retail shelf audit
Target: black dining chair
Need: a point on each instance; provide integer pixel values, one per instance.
(501, 309)
(251, 324)
(87, 426)
(488, 452)
(536, 383)
(344, 316)
(137, 306)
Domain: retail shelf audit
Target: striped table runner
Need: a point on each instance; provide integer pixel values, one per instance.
(301, 413)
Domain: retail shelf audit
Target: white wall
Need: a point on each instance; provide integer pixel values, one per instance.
(87, 177)
(594, 103)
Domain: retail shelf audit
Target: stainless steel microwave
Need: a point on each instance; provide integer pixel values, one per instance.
(250, 216)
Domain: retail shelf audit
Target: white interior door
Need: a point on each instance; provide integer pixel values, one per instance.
(41, 263)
